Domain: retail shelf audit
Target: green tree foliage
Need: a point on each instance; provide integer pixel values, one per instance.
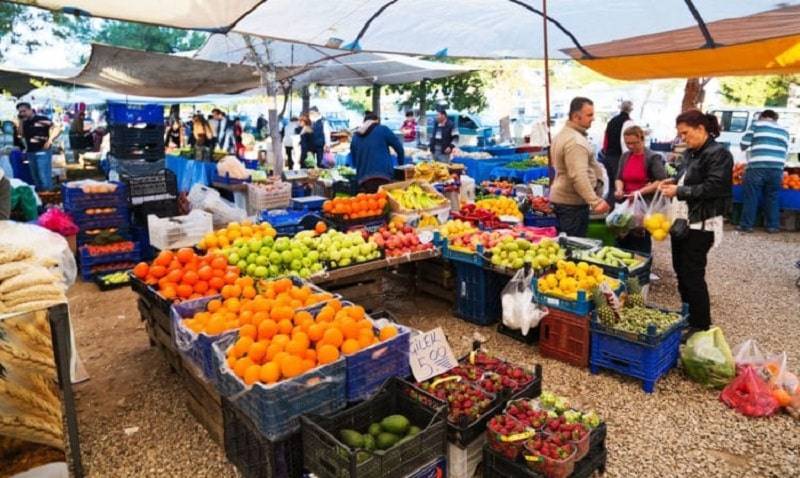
(462, 92)
(758, 90)
(148, 37)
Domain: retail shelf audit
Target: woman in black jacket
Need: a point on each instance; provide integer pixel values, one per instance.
(705, 184)
(639, 170)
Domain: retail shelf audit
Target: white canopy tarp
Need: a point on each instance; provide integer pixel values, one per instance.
(458, 28)
(327, 66)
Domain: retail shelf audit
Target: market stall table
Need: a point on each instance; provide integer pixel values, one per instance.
(190, 171)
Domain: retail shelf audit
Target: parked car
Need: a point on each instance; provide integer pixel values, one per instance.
(734, 123)
(471, 130)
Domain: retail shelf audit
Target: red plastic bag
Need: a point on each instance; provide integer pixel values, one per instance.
(750, 395)
(58, 221)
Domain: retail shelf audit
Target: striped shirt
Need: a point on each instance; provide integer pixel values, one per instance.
(768, 143)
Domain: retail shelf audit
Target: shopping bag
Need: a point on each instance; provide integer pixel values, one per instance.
(707, 358)
(638, 210)
(658, 218)
(748, 353)
(519, 310)
(620, 221)
(750, 395)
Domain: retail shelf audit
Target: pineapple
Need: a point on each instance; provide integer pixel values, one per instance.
(635, 297)
(604, 311)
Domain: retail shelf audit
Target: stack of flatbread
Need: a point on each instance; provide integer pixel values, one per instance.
(26, 285)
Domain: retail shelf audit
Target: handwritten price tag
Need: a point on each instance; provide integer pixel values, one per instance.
(430, 355)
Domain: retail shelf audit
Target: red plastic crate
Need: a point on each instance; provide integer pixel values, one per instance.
(565, 337)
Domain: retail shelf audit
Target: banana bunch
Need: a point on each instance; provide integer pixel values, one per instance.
(416, 199)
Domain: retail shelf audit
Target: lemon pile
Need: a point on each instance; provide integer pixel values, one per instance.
(456, 227)
(657, 224)
(569, 278)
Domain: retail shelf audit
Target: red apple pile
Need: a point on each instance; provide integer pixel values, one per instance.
(403, 241)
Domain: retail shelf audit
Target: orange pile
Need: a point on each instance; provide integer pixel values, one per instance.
(185, 275)
(359, 206)
(791, 181)
(242, 304)
(224, 237)
(290, 342)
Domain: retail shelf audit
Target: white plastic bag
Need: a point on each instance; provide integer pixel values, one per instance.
(209, 200)
(638, 209)
(748, 353)
(620, 221)
(49, 248)
(232, 167)
(519, 310)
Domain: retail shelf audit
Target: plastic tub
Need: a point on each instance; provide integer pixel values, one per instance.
(550, 467)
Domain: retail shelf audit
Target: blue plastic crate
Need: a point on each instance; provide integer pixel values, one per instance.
(87, 260)
(124, 113)
(369, 368)
(285, 221)
(226, 179)
(635, 359)
(790, 200)
(87, 275)
(478, 293)
(275, 409)
(582, 306)
(75, 199)
(477, 258)
(124, 232)
(120, 218)
(519, 175)
(311, 203)
(196, 347)
(502, 150)
(537, 220)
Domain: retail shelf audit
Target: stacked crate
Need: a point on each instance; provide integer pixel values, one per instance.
(137, 131)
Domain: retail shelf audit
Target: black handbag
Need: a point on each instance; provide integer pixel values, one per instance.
(679, 229)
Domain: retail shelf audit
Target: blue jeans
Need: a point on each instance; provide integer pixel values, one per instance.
(760, 183)
(41, 164)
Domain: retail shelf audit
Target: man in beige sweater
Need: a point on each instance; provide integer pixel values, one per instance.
(578, 175)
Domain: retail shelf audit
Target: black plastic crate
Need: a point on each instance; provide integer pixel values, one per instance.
(123, 135)
(349, 187)
(154, 187)
(148, 152)
(252, 454)
(163, 208)
(496, 465)
(327, 457)
(531, 338)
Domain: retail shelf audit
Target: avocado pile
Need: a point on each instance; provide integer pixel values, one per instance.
(380, 435)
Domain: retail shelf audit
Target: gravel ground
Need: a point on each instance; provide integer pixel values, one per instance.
(680, 430)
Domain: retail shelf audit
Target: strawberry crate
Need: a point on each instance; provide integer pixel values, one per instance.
(646, 357)
(478, 292)
(253, 455)
(565, 337)
(76, 200)
(496, 465)
(327, 457)
(196, 347)
(275, 409)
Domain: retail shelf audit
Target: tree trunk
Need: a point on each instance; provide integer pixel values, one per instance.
(692, 94)
(376, 100)
(274, 130)
(287, 94)
(422, 121)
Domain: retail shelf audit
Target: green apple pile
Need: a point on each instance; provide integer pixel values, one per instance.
(515, 253)
(269, 258)
(345, 249)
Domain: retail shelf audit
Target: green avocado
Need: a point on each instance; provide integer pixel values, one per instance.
(413, 430)
(397, 424)
(386, 440)
(351, 438)
(375, 429)
(369, 442)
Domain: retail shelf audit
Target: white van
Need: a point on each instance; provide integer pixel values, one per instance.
(734, 123)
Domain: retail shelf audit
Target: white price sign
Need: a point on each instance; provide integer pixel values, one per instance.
(430, 355)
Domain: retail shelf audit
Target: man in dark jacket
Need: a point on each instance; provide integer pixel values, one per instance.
(370, 152)
(320, 139)
(443, 138)
(613, 146)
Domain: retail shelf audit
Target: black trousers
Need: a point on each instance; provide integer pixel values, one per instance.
(611, 163)
(689, 258)
(319, 153)
(572, 220)
(289, 159)
(637, 240)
